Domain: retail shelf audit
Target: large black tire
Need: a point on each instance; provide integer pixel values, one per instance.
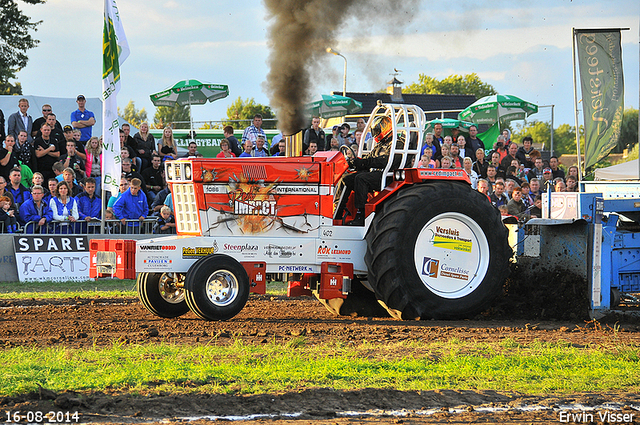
(159, 295)
(217, 287)
(437, 250)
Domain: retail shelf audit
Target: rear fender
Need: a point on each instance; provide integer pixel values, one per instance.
(411, 176)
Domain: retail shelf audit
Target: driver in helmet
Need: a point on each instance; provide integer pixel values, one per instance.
(369, 170)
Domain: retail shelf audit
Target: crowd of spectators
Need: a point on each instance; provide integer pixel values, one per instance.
(50, 176)
(512, 176)
(50, 173)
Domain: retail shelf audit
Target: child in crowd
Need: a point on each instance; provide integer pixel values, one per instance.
(166, 224)
(426, 161)
(112, 225)
(7, 216)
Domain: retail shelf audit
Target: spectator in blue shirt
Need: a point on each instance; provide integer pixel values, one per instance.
(35, 212)
(89, 203)
(132, 205)
(19, 192)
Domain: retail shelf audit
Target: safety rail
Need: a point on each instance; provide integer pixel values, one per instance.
(408, 123)
(81, 227)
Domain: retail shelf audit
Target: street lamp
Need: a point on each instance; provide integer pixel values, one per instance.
(344, 80)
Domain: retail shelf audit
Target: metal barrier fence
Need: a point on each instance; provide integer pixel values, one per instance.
(112, 227)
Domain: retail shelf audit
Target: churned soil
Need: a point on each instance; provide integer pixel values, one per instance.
(84, 323)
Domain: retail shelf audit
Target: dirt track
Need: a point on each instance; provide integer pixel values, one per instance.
(87, 323)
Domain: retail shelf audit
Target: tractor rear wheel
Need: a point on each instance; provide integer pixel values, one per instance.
(437, 250)
(217, 287)
(160, 295)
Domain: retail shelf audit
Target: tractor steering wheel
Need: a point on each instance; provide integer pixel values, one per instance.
(348, 153)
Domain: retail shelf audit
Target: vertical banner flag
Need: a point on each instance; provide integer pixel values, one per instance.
(115, 50)
(600, 64)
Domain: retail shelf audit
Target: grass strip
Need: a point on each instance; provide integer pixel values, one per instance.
(249, 369)
(101, 288)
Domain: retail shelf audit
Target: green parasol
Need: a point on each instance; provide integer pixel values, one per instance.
(448, 123)
(500, 108)
(190, 92)
(331, 106)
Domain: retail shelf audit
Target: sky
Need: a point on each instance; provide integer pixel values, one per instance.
(522, 48)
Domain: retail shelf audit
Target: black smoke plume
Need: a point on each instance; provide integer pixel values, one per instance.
(299, 33)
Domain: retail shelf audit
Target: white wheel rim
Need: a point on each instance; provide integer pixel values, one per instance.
(222, 288)
(451, 255)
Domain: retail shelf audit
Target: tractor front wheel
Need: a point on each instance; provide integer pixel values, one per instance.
(217, 287)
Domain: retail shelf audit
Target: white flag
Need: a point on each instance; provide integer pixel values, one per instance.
(115, 50)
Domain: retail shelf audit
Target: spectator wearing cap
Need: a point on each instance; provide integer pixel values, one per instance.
(46, 110)
(344, 138)
(83, 119)
(254, 130)
(130, 174)
(259, 150)
(67, 132)
(547, 179)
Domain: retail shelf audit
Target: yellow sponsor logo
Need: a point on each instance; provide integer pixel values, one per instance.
(449, 243)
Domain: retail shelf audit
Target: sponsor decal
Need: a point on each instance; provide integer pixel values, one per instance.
(430, 267)
(239, 248)
(52, 258)
(296, 269)
(280, 251)
(325, 250)
(454, 272)
(52, 244)
(157, 247)
(426, 172)
(254, 207)
(296, 190)
(158, 261)
(449, 238)
(199, 251)
(333, 282)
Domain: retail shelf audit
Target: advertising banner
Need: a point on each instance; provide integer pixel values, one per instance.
(599, 54)
(52, 258)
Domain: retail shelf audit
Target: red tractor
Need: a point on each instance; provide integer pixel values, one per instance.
(430, 247)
